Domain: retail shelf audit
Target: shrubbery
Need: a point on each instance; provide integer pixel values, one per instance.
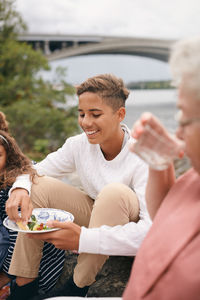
(31, 104)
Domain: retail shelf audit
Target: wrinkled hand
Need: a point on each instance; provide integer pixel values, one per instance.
(67, 238)
(19, 198)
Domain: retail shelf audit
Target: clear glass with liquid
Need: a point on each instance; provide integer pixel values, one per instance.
(157, 151)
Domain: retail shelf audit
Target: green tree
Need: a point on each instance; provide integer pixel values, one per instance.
(11, 23)
(37, 110)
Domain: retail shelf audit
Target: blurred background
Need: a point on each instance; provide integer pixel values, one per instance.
(42, 58)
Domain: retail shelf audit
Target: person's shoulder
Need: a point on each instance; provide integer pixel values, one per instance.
(79, 140)
(76, 138)
(190, 174)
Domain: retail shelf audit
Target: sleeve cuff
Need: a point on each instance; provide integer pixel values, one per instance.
(89, 240)
(22, 182)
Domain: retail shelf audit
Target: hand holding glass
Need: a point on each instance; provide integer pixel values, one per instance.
(156, 149)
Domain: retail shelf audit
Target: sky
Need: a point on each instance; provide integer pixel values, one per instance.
(171, 19)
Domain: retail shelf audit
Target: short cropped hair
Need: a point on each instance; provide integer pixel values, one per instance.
(185, 65)
(110, 88)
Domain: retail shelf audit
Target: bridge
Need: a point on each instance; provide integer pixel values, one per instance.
(62, 46)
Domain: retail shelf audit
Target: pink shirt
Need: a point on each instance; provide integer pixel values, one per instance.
(167, 266)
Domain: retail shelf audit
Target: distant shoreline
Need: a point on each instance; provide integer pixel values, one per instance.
(150, 85)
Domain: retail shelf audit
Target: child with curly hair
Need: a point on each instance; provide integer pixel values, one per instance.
(12, 164)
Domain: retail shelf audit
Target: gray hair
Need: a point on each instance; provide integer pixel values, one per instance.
(185, 64)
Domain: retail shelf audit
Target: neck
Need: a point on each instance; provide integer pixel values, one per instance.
(113, 148)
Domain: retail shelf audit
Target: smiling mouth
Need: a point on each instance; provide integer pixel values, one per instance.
(91, 132)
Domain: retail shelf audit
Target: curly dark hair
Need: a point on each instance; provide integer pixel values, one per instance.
(16, 162)
(3, 122)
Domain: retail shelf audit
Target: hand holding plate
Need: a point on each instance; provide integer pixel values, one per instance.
(67, 238)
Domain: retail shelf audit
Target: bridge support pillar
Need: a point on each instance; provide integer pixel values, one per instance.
(75, 44)
(37, 46)
(46, 48)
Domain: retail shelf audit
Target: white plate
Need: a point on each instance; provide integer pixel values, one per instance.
(42, 215)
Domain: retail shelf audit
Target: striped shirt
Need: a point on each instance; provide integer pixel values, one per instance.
(52, 261)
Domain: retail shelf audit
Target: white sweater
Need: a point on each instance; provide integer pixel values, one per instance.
(94, 171)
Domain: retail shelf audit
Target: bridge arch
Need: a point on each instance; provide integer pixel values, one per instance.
(90, 45)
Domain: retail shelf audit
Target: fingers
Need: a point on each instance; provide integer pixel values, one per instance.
(137, 130)
(51, 237)
(58, 224)
(12, 205)
(67, 238)
(139, 125)
(26, 208)
(19, 198)
(147, 119)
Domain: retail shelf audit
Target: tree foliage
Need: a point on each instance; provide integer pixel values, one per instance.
(37, 110)
(11, 23)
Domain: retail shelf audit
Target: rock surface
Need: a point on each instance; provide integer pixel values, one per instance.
(111, 280)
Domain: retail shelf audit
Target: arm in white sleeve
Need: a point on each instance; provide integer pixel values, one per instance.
(118, 240)
(121, 239)
(23, 182)
(57, 164)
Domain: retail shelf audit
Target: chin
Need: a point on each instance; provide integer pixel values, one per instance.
(92, 141)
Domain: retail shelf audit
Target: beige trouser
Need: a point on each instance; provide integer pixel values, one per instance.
(116, 204)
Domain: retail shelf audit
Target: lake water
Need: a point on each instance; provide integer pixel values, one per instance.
(161, 103)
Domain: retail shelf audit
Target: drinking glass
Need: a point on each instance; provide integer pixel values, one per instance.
(156, 150)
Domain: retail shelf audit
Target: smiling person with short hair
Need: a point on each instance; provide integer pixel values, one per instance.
(113, 181)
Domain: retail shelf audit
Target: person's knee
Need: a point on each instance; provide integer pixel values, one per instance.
(114, 192)
(41, 188)
(39, 185)
(115, 204)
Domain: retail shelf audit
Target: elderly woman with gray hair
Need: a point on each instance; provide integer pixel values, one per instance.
(167, 265)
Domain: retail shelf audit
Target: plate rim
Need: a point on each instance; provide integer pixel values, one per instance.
(38, 231)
